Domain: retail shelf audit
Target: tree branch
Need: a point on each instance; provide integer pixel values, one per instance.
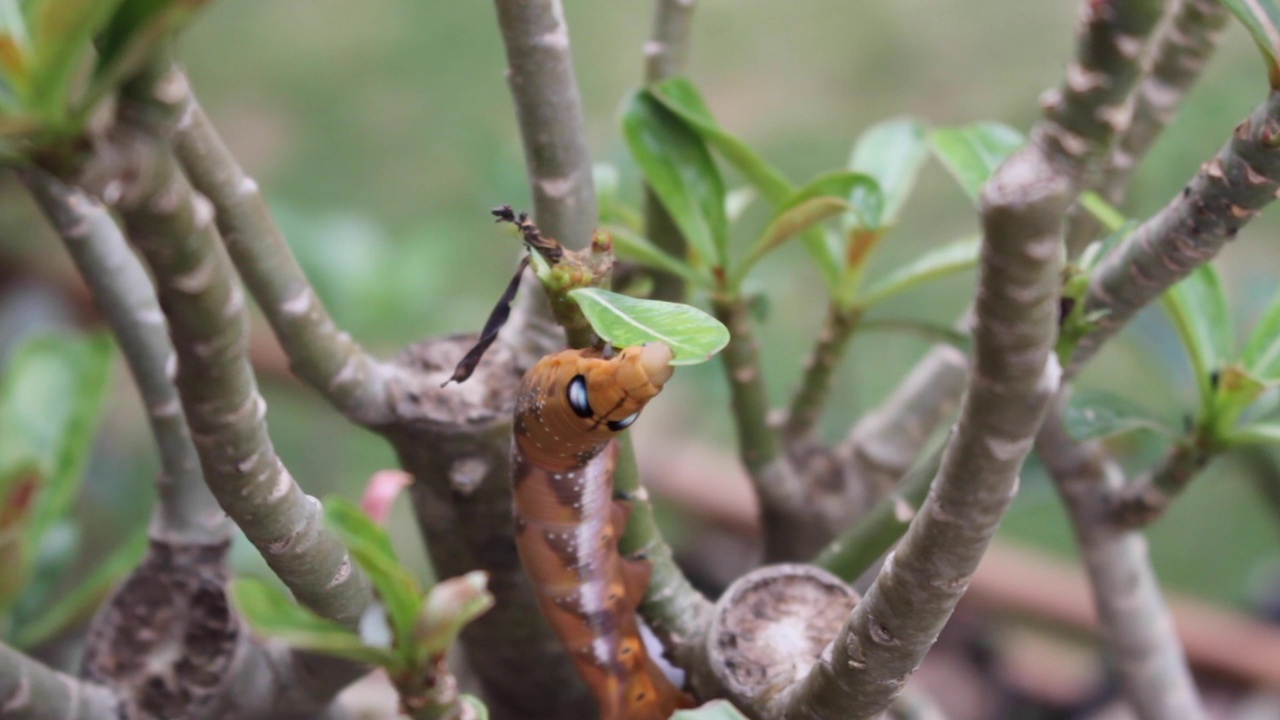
(124, 294)
(815, 387)
(320, 353)
(31, 691)
(1179, 51)
(1226, 193)
(1145, 499)
(540, 74)
(173, 229)
(665, 55)
(1014, 377)
(1135, 622)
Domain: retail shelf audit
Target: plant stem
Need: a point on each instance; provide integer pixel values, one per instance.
(1146, 498)
(1226, 193)
(1014, 378)
(665, 55)
(855, 551)
(1179, 51)
(815, 387)
(29, 690)
(1135, 622)
(676, 612)
(320, 353)
(124, 294)
(541, 76)
(792, 523)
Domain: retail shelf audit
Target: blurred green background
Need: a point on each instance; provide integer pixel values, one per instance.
(382, 132)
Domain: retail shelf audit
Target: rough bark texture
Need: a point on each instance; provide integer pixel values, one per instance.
(31, 691)
(1014, 377)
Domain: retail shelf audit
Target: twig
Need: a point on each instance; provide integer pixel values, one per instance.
(676, 612)
(1014, 378)
(29, 690)
(320, 353)
(1144, 499)
(792, 526)
(1134, 619)
(540, 73)
(833, 339)
(1226, 193)
(124, 294)
(1179, 51)
(665, 55)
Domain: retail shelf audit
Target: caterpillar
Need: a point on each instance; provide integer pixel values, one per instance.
(570, 408)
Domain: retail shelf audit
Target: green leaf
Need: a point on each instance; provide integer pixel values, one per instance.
(63, 31)
(714, 710)
(681, 173)
(1198, 309)
(15, 46)
(892, 152)
(448, 607)
(973, 152)
(86, 596)
(791, 222)
(1256, 434)
(1093, 414)
(1262, 19)
(681, 97)
(136, 32)
(372, 551)
(273, 614)
(692, 335)
(952, 257)
(51, 398)
(631, 246)
(1262, 353)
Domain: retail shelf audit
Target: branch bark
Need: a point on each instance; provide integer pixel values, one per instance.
(549, 110)
(319, 352)
(123, 293)
(29, 690)
(1135, 622)
(1015, 375)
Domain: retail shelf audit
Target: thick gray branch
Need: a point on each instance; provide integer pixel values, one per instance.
(31, 691)
(123, 293)
(541, 77)
(1014, 377)
(1135, 622)
(320, 353)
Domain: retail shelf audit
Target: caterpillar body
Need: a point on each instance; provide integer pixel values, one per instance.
(570, 408)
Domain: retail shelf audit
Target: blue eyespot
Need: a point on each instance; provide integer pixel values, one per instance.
(624, 423)
(578, 397)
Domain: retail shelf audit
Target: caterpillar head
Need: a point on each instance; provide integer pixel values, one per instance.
(574, 401)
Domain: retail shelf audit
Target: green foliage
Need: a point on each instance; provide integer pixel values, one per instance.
(371, 548)
(680, 171)
(692, 335)
(1198, 308)
(51, 77)
(1262, 19)
(891, 152)
(973, 152)
(941, 261)
(52, 395)
(1093, 414)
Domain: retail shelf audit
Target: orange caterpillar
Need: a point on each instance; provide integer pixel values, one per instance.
(570, 407)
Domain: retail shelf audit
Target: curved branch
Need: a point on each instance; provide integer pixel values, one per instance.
(320, 353)
(1131, 610)
(540, 74)
(29, 690)
(1015, 375)
(124, 294)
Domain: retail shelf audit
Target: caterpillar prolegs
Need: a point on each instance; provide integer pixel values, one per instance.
(571, 406)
